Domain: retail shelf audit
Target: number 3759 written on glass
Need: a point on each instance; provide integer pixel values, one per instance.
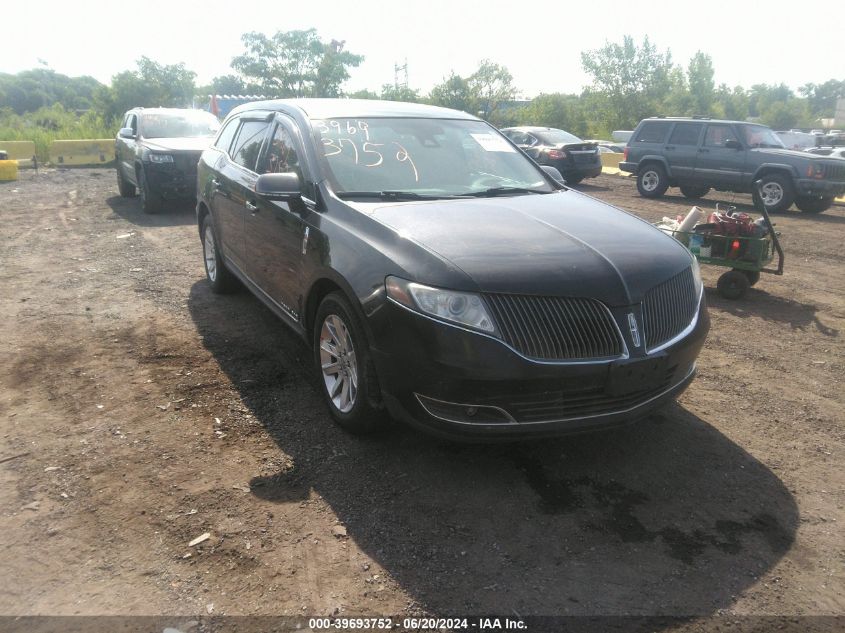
(360, 149)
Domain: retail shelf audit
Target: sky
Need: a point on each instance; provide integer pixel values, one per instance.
(539, 42)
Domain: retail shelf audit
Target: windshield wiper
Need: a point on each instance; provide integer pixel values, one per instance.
(500, 191)
(389, 195)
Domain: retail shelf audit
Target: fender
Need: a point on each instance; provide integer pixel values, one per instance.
(655, 158)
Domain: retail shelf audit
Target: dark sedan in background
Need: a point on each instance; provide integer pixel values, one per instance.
(572, 157)
(441, 275)
(157, 150)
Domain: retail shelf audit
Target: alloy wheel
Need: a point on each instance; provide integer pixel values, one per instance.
(650, 180)
(210, 254)
(772, 193)
(338, 363)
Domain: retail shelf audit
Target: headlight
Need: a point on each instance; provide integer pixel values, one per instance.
(161, 158)
(465, 308)
(696, 276)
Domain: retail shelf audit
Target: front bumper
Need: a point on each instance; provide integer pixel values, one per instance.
(823, 188)
(170, 181)
(433, 375)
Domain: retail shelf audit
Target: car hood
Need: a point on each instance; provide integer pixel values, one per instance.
(558, 244)
(180, 144)
(774, 151)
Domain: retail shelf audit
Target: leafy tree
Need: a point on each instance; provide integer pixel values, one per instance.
(633, 79)
(556, 110)
(482, 93)
(152, 85)
(364, 94)
(822, 98)
(295, 63)
(490, 86)
(229, 85)
(32, 89)
(453, 92)
(400, 93)
(701, 86)
(731, 103)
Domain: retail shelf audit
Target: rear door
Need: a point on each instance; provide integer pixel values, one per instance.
(717, 165)
(276, 233)
(682, 149)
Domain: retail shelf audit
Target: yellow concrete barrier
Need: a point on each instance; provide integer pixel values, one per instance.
(82, 152)
(611, 159)
(8, 170)
(21, 151)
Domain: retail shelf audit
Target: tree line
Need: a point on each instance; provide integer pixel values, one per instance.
(629, 81)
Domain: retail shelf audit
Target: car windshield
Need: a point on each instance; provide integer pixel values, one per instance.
(761, 136)
(422, 157)
(556, 137)
(189, 124)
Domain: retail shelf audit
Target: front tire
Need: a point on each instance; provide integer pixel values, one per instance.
(218, 276)
(151, 202)
(693, 192)
(126, 188)
(342, 358)
(775, 193)
(652, 181)
(813, 205)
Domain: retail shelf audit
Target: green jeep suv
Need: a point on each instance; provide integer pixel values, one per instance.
(699, 154)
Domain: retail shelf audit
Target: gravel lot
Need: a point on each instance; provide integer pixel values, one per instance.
(139, 412)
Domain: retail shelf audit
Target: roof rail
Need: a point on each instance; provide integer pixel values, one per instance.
(701, 116)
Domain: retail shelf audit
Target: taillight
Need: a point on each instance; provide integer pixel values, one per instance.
(625, 154)
(556, 154)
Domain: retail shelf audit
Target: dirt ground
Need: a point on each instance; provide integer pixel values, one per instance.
(139, 411)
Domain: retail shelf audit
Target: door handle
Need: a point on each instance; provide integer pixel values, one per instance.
(251, 207)
(670, 147)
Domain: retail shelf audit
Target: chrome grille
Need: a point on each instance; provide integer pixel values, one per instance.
(555, 328)
(669, 308)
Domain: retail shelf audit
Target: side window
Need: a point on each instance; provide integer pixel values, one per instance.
(717, 134)
(653, 132)
(281, 155)
(530, 140)
(224, 139)
(685, 134)
(247, 145)
(520, 138)
(132, 121)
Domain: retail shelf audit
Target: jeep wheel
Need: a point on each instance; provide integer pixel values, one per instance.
(775, 193)
(694, 192)
(151, 202)
(813, 205)
(652, 181)
(126, 189)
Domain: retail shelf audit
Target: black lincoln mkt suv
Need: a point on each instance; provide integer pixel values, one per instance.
(441, 275)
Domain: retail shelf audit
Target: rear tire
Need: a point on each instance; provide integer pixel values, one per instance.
(346, 374)
(694, 192)
(813, 205)
(733, 285)
(219, 278)
(151, 202)
(652, 181)
(126, 188)
(776, 193)
(573, 180)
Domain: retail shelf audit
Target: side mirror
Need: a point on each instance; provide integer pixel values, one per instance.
(278, 186)
(553, 172)
(126, 132)
(732, 144)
